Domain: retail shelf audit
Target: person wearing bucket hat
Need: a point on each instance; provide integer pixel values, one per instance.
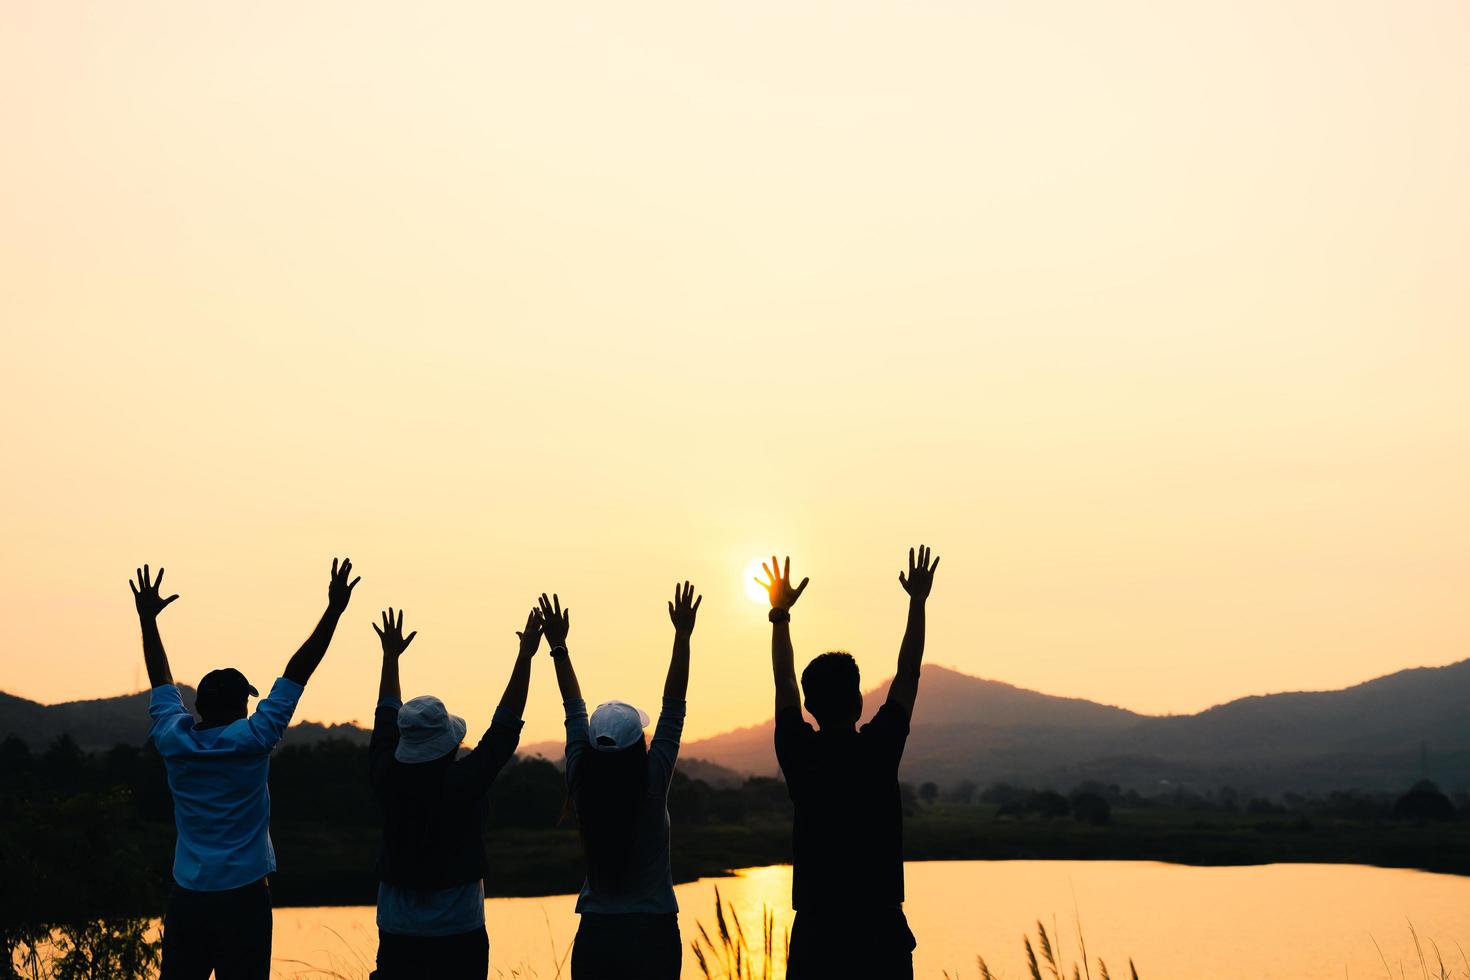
(219, 912)
(619, 788)
(432, 864)
(847, 835)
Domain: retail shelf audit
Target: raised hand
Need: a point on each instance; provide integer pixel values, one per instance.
(684, 608)
(555, 620)
(783, 596)
(339, 592)
(391, 635)
(145, 594)
(530, 637)
(920, 578)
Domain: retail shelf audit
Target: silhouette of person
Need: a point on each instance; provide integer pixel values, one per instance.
(619, 788)
(432, 867)
(219, 912)
(847, 839)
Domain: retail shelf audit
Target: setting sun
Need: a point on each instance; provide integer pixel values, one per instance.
(753, 589)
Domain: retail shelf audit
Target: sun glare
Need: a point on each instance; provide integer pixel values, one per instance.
(753, 591)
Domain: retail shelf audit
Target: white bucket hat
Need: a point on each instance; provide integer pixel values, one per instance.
(616, 725)
(426, 730)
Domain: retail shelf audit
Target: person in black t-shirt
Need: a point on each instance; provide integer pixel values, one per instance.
(847, 843)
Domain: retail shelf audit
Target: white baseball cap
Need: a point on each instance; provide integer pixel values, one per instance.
(616, 725)
(426, 730)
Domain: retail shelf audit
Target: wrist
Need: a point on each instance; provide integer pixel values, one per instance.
(779, 616)
(558, 651)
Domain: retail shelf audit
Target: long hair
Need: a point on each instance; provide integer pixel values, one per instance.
(609, 795)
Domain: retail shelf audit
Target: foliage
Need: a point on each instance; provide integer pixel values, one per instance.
(1052, 958)
(96, 949)
(1424, 802)
(728, 955)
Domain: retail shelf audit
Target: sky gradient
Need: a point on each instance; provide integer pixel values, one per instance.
(1153, 321)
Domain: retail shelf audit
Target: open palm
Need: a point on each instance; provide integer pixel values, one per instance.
(778, 584)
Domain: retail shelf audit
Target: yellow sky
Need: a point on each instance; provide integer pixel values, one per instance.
(1153, 319)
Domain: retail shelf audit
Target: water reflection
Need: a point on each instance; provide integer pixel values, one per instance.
(1277, 922)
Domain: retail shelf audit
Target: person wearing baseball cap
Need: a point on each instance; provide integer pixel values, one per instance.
(619, 788)
(219, 912)
(432, 864)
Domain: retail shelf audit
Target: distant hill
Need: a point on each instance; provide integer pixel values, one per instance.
(1372, 736)
(1364, 737)
(957, 711)
(694, 768)
(105, 722)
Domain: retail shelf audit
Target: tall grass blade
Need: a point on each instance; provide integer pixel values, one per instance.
(1031, 959)
(1051, 960)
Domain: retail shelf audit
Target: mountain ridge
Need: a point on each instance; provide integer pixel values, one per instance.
(1372, 735)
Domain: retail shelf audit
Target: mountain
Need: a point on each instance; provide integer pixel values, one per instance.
(691, 766)
(956, 710)
(1380, 735)
(94, 725)
(105, 722)
(1372, 736)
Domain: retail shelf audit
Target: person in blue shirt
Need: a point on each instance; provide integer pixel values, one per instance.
(618, 784)
(219, 912)
(432, 865)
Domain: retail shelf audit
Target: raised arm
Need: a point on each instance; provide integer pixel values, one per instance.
(682, 611)
(556, 622)
(917, 583)
(339, 592)
(475, 772)
(513, 701)
(149, 605)
(394, 643)
(783, 597)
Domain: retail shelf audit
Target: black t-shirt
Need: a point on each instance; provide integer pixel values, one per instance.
(847, 845)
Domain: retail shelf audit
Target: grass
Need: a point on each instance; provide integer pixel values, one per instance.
(1052, 959)
(728, 954)
(729, 951)
(1436, 970)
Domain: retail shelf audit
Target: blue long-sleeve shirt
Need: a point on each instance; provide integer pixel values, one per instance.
(218, 776)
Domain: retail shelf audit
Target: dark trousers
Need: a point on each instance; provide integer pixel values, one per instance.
(226, 932)
(874, 943)
(627, 946)
(462, 956)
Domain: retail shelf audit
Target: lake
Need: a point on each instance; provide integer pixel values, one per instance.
(1274, 922)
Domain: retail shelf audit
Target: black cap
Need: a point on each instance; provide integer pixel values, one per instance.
(224, 686)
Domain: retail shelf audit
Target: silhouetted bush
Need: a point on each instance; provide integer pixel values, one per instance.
(323, 782)
(1424, 802)
(962, 792)
(1040, 803)
(1004, 795)
(1089, 807)
(529, 792)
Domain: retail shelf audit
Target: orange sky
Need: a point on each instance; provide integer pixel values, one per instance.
(1153, 320)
